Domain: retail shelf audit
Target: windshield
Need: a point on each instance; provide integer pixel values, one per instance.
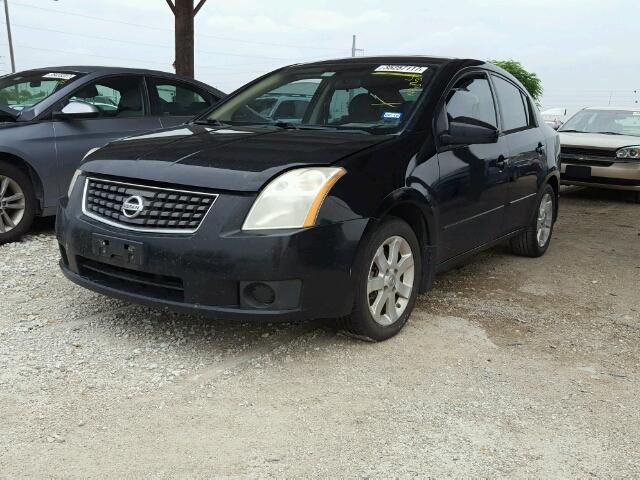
(22, 91)
(372, 98)
(613, 122)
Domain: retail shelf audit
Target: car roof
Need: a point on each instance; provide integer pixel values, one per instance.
(107, 70)
(625, 109)
(95, 68)
(383, 59)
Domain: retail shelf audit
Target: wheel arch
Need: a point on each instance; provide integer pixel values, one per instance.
(25, 167)
(554, 181)
(413, 207)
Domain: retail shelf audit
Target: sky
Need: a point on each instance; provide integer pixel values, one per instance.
(584, 51)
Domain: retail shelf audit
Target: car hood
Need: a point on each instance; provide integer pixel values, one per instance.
(226, 158)
(597, 140)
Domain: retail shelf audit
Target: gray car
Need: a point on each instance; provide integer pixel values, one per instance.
(50, 118)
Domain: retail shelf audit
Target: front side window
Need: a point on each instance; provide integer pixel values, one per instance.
(372, 98)
(118, 97)
(173, 98)
(610, 121)
(512, 107)
(471, 101)
(21, 91)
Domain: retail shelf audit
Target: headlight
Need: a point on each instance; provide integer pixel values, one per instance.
(629, 152)
(73, 181)
(293, 199)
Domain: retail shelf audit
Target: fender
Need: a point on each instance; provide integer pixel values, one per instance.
(15, 158)
(402, 203)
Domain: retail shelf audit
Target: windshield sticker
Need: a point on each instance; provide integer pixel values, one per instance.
(59, 76)
(392, 116)
(401, 69)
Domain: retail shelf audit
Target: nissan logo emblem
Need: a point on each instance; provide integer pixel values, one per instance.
(132, 206)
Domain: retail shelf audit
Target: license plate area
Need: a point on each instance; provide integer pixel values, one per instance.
(125, 252)
(578, 171)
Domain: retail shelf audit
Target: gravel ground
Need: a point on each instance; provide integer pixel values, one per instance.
(510, 367)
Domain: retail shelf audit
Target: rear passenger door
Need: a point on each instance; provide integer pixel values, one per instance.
(175, 102)
(526, 151)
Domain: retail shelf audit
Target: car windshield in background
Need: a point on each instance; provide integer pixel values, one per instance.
(612, 122)
(372, 98)
(26, 90)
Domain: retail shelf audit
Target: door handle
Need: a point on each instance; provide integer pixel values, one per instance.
(540, 149)
(502, 162)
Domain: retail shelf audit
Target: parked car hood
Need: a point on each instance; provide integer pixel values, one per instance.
(227, 158)
(597, 140)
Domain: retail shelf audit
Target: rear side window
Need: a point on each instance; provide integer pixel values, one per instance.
(471, 101)
(174, 98)
(512, 106)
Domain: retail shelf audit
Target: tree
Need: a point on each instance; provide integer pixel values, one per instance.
(530, 80)
(185, 12)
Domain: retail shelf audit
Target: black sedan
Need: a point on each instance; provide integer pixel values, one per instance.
(397, 168)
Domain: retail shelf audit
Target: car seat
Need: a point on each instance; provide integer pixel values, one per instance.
(362, 110)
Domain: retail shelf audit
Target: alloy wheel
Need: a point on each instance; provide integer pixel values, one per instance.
(545, 220)
(12, 204)
(391, 280)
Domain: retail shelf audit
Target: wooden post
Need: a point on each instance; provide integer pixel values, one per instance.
(184, 12)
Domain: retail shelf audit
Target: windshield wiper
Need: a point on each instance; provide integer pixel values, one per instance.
(572, 131)
(610, 133)
(286, 125)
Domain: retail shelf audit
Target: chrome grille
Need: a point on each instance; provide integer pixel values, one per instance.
(164, 210)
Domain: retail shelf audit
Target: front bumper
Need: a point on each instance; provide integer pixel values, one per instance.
(616, 175)
(214, 271)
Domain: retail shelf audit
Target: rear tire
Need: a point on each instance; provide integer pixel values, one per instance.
(17, 203)
(534, 241)
(387, 275)
(635, 197)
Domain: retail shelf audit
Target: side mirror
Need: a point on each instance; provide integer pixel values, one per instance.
(75, 109)
(460, 133)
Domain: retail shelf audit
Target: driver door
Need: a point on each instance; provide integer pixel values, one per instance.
(473, 187)
(123, 111)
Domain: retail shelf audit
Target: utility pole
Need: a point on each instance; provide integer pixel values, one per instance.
(184, 12)
(354, 50)
(6, 15)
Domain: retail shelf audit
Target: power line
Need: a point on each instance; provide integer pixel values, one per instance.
(138, 25)
(143, 44)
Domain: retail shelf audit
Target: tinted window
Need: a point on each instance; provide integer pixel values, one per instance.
(115, 97)
(514, 115)
(471, 100)
(173, 98)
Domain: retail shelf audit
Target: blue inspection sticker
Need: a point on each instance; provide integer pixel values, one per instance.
(392, 116)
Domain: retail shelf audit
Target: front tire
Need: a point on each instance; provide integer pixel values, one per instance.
(17, 203)
(534, 241)
(387, 273)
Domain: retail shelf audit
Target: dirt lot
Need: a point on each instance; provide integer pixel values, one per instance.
(510, 367)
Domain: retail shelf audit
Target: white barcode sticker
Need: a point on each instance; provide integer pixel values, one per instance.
(59, 76)
(401, 69)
